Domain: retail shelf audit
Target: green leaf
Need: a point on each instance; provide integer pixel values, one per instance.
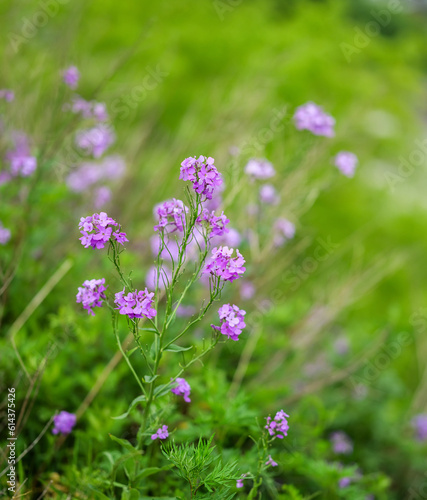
(148, 378)
(161, 390)
(131, 351)
(177, 348)
(137, 400)
(124, 442)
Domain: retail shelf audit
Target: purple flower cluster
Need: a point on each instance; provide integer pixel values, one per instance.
(341, 443)
(21, 162)
(88, 109)
(311, 117)
(171, 215)
(419, 422)
(203, 174)
(5, 234)
(216, 226)
(271, 462)
(284, 231)
(161, 433)
(346, 162)
(232, 321)
(71, 77)
(102, 196)
(64, 422)
(97, 229)
(278, 427)
(135, 304)
(164, 279)
(259, 169)
(96, 140)
(91, 294)
(182, 389)
(7, 95)
(223, 265)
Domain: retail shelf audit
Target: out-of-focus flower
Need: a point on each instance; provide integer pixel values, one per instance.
(135, 304)
(169, 252)
(5, 234)
(97, 229)
(102, 196)
(268, 195)
(5, 177)
(284, 231)
(223, 265)
(232, 321)
(419, 422)
(247, 290)
(215, 225)
(182, 389)
(344, 482)
(164, 279)
(261, 169)
(341, 443)
(346, 162)
(91, 294)
(185, 311)
(161, 433)
(96, 140)
(271, 462)
(90, 173)
(311, 117)
(278, 426)
(71, 77)
(203, 174)
(20, 159)
(342, 346)
(171, 215)
(64, 422)
(230, 239)
(7, 95)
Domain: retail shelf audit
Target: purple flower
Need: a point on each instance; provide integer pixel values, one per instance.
(232, 321)
(135, 304)
(271, 462)
(71, 77)
(5, 235)
(64, 422)
(284, 231)
(216, 226)
(96, 140)
(182, 389)
(91, 294)
(344, 482)
(419, 422)
(102, 196)
(87, 109)
(259, 169)
(171, 215)
(203, 174)
(113, 167)
(341, 346)
(223, 265)
(247, 290)
(346, 162)
(341, 443)
(162, 433)
(97, 231)
(268, 195)
(311, 117)
(239, 482)
(20, 159)
(7, 95)
(164, 280)
(5, 177)
(90, 173)
(278, 427)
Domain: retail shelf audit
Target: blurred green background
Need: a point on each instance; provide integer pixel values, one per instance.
(201, 77)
